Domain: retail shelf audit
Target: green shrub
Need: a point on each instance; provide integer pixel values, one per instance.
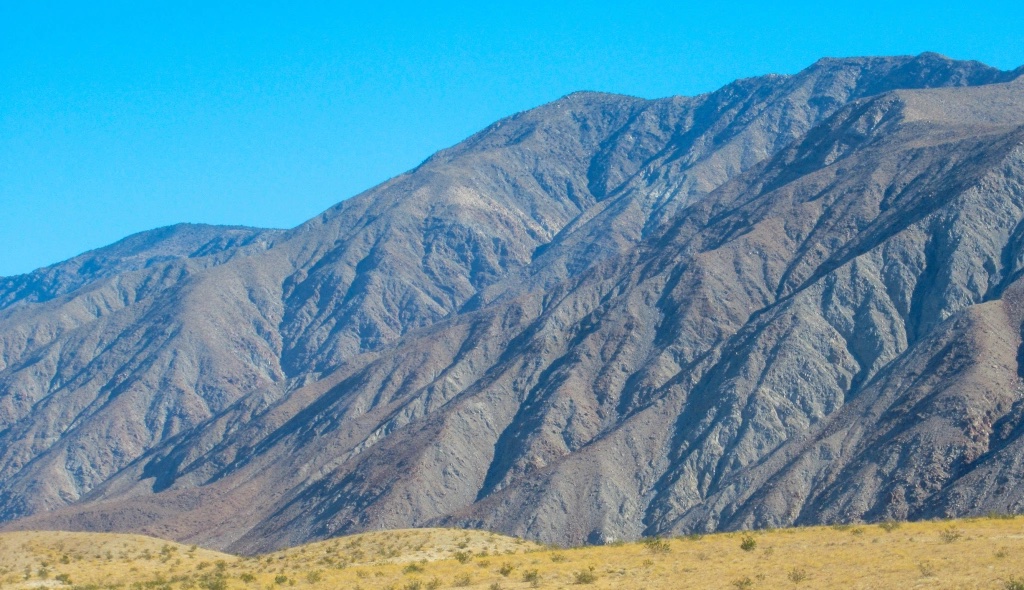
(950, 534)
(1013, 584)
(280, 579)
(656, 545)
(412, 568)
(743, 584)
(586, 576)
(461, 581)
(889, 525)
(462, 556)
(314, 577)
(797, 575)
(506, 569)
(749, 543)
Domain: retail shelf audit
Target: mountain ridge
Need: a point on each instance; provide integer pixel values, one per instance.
(601, 318)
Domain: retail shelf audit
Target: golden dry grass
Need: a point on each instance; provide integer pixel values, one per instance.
(974, 553)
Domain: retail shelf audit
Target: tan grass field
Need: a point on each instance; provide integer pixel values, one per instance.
(973, 553)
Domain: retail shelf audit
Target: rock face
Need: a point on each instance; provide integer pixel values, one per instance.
(793, 300)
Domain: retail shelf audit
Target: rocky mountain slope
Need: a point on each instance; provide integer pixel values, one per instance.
(793, 300)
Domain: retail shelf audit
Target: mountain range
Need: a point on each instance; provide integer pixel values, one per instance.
(794, 300)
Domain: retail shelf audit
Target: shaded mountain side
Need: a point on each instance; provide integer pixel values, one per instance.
(603, 318)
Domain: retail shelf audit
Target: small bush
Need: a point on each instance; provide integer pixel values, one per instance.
(495, 586)
(1013, 584)
(461, 581)
(412, 568)
(314, 577)
(433, 584)
(656, 545)
(749, 543)
(413, 585)
(950, 534)
(247, 577)
(63, 579)
(281, 579)
(889, 525)
(797, 575)
(743, 584)
(557, 557)
(506, 569)
(586, 576)
(462, 556)
(532, 577)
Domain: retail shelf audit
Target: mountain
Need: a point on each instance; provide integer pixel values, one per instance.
(793, 300)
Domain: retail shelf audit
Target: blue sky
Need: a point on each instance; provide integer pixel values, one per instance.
(119, 117)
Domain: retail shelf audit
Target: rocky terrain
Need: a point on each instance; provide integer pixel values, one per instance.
(793, 300)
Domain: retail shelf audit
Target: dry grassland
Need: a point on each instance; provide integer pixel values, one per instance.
(975, 553)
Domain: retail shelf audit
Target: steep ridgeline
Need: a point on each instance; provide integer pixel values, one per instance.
(793, 300)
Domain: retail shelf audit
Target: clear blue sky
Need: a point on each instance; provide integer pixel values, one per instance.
(117, 117)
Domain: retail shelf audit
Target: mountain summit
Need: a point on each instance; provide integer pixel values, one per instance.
(794, 300)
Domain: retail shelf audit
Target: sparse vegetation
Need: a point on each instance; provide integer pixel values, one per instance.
(889, 525)
(749, 543)
(950, 534)
(907, 555)
(586, 576)
(797, 575)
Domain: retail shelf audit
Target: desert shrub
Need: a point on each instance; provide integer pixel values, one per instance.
(532, 577)
(743, 584)
(433, 584)
(656, 545)
(889, 525)
(63, 579)
(927, 570)
(749, 543)
(247, 577)
(413, 585)
(483, 563)
(462, 580)
(314, 577)
(506, 569)
(950, 534)
(412, 568)
(280, 579)
(462, 556)
(213, 583)
(586, 576)
(495, 586)
(797, 575)
(557, 557)
(1014, 584)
